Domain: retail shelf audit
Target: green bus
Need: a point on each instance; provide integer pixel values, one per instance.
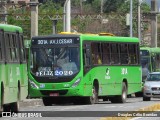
(81, 68)
(13, 68)
(150, 60)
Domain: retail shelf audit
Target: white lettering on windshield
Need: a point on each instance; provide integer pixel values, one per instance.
(42, 42)
(44, 73)
(61, 73)
(56, 73)
(61, 41)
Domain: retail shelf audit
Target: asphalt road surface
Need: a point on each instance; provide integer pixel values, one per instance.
(83, 112)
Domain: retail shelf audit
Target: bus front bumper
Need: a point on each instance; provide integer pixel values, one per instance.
(36, 93)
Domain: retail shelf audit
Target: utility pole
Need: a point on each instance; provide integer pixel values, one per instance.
(131, 29)
(139, 19)
(102, 2)
(54, 26)
(154, 9)
(67, 16)
(81, 8)
(34, 17)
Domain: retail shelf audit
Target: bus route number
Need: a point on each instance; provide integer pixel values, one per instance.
(42, 42)
(65, 73)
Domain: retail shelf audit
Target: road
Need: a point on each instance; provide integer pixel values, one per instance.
(85, 112)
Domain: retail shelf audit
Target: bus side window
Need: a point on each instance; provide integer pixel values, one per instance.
(106, 53)
(8, 49)
(23, 55)
(15, 51)
(132, 53)
(114, 54)
(124, 54)
(96, 53)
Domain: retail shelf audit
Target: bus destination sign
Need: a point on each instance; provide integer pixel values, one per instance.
(57, 41)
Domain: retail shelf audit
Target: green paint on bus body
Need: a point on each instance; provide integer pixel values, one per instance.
(110, 77)
(13, 70)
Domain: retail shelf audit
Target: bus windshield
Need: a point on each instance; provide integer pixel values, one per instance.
(57, 61)
(145, 62)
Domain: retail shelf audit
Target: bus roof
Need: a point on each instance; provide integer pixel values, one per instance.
(109, 38)
(93, 37)
(151, 50)
(10, 28)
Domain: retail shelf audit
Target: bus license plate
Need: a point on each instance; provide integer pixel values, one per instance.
(54, 94)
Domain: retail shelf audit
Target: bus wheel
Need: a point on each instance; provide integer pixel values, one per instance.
(123, 96)
(47, 101)
(6, 108)
(14, 107)
(94, 98)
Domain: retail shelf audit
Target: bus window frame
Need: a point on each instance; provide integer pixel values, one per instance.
(2, 47)
(9, 47)
(86, 56)
(22, 55)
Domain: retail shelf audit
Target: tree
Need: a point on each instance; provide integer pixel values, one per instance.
(125, 8)
(112, 5)
(115, 11)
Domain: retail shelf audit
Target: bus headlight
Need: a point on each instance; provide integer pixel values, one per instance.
(76, 83)
(33, 85)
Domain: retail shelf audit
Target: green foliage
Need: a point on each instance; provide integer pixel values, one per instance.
(96, 6)
(24, 23)
(112, 5)
(114, 8)
(125, 8)
(75, 3)
(45, 10)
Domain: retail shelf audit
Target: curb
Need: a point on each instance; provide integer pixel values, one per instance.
(148, 109)
(31, 102)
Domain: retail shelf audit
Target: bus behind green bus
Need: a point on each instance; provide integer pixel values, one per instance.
(150, 60)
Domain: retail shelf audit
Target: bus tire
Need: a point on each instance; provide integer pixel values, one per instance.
(14, 107)
(6, 108)
(94, 98)
(122, 98)
(47, 101)
(1, 96)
